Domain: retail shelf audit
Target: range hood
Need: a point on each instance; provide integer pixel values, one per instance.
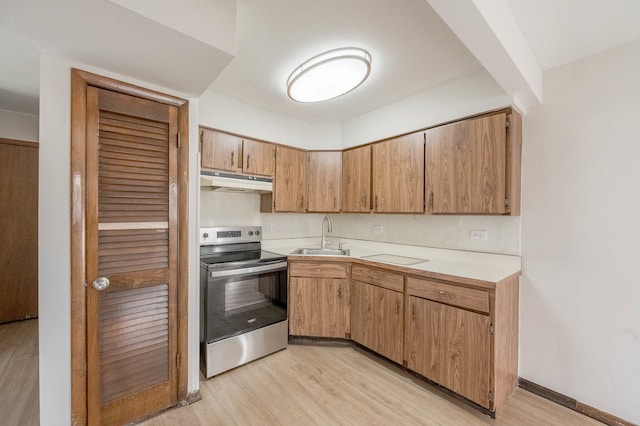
(230, 182)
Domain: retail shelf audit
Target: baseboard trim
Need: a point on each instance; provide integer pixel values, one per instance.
(572, 404)
(193, 396)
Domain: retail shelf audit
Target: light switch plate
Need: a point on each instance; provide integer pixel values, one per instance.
(378, 229)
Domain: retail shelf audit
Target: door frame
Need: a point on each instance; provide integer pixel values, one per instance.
(80, 80)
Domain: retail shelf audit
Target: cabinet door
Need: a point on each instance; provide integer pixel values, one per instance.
(259, 158)
(289, 186)
(466, 166)
(377, 319)
(398, 175)
(318, 307)
(221, 151)
(449, 346)
(356, 180)
(324, 173)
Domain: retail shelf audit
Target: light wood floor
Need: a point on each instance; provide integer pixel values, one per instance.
(19, 373)
(319, 385)
(302, 385)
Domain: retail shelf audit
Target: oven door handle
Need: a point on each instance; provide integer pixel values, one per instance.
(252, 270)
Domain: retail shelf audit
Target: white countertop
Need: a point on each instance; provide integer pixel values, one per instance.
(467, 264)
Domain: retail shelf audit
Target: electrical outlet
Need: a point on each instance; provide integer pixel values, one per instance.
(378, 229)
(479, 235)
(271, 227)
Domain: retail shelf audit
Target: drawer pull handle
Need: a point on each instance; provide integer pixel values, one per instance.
(443, 293)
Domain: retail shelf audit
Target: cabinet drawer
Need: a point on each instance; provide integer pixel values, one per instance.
(320, 270)
(464, 297)
(377, 277)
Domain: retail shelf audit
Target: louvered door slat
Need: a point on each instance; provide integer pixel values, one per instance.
(128, 158)
(126, 357)
(112, 116)
(108, 166)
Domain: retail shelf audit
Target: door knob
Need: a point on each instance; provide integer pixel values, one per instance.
(101, 283)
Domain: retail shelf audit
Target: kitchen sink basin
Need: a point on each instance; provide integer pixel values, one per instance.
(322, 252)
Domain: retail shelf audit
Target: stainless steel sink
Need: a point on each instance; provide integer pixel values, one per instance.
(322, 252)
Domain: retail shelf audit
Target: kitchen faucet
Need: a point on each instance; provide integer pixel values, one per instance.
(323, 242)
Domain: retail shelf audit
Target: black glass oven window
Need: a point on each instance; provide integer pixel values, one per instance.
(239, 304)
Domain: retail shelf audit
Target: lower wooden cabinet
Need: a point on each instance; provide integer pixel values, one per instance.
(377, 319)
(450, 346)
(318, 300)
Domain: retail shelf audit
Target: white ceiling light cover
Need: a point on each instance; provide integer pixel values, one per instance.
(329, 75)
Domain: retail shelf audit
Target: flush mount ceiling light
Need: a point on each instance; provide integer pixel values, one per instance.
(329, 75)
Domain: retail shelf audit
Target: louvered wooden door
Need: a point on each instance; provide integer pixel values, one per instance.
(131, 240)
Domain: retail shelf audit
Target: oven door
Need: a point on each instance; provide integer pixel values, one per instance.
(241, 300)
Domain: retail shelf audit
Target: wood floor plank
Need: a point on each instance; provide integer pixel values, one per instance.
(321, 385)
(19, 373)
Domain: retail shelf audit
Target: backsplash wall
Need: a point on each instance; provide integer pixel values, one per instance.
(219, 208)
(450, 232)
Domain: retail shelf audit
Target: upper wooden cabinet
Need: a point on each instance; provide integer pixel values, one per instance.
(290, 180)
(258, 157)
(222, 151)
(473, 166)
(398, 174)
(324, 173)
(356, 180)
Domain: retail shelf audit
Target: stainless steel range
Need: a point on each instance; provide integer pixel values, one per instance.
(243, 298)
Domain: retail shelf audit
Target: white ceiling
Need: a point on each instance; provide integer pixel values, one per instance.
(564, 31)
(412, 47)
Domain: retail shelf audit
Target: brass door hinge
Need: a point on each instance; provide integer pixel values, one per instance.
(178, 139)
(491, 329)
(178, 361)
(490, 396)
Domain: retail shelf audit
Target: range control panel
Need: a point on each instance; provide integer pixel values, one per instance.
(230, 235)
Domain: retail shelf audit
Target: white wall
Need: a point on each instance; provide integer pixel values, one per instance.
(465, 96)
(16, 125)
(223, 113)
(54, 238)
(580, 292)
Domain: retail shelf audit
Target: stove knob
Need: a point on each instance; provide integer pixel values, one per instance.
(205, 236)
(250, 233)
(257, 232)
